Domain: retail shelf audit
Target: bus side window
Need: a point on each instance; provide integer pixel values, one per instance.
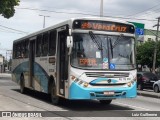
(45, 44)
(18, 50)
(14, 51)
(26, 48)
(52, 42)
(38, 46)
(22, 49)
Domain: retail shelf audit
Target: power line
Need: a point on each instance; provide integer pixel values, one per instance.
(144, 10)
(13, 29)
(35, 9)
(10, 32)
(57, 11)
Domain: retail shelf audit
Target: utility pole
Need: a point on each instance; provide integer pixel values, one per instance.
(44, 19)
(101, 9)
(155, 49)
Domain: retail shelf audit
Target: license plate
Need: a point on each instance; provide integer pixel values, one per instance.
(109, 93)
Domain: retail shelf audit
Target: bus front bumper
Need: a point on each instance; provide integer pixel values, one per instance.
(79, 92)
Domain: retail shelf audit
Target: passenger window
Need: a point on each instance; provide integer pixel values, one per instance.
(45, 44)
(26, 48)
(52, 42)
(38, 46)
(14, 50)
(22, 49)
(19, 50)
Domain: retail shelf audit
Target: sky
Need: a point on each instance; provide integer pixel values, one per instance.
(27, 17)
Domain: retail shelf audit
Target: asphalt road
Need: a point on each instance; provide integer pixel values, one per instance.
(12, 100)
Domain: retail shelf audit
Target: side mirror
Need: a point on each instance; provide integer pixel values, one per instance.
(69, 44)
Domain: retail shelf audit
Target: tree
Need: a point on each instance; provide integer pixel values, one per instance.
(7, 7)
(145, 54)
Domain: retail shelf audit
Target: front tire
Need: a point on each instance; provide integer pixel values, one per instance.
(156, 89)
(106, 102)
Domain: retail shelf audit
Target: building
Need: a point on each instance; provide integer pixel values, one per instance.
(150, 35)
(1, 64)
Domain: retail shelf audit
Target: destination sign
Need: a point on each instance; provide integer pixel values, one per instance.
(103, 26)
(87, 62)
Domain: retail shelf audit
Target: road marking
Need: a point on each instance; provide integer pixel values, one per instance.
(133, 106)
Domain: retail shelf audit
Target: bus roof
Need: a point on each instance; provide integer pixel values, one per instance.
(69, 22)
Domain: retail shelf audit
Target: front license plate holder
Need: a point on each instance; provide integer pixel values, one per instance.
(109, 93)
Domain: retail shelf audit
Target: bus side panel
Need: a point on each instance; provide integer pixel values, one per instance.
(18, 69)
(40, 76)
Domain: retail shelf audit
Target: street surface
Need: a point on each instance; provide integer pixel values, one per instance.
(12, 100)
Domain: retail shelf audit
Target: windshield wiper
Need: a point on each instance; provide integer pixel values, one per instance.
(95, 40)
(117, 41)
(111, 47)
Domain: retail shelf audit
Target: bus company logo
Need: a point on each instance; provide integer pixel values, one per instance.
(6, 114)
(21, 114)
(109, 80)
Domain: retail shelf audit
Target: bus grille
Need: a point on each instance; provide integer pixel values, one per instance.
(109, 84)
(107, 74)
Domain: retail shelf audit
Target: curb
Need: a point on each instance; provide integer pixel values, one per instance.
(154, 95)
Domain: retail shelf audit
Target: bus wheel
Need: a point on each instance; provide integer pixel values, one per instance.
(54, 98)
(22, 86)
(107, 102)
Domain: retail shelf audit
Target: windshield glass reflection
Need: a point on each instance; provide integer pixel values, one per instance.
(102, 52)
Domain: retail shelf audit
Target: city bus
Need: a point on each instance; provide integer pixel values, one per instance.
(78, 59)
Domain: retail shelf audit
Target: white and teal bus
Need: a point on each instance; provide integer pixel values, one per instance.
(79, 59)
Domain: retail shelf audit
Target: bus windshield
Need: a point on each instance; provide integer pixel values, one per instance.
(103, 52)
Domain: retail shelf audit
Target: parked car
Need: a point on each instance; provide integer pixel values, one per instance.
(156, 86)
(146, 80)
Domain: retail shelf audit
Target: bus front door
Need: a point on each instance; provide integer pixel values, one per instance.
(31, 62)
(62, 61)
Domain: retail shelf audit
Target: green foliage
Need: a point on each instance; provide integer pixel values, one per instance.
(7, 7)
(145, 53)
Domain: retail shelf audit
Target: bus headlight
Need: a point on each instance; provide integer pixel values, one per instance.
(85, 84)
(72, 77)
(79, 81)
(129, 84)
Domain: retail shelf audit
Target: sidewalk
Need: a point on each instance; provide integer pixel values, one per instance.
(148, 93)
(5, 75)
